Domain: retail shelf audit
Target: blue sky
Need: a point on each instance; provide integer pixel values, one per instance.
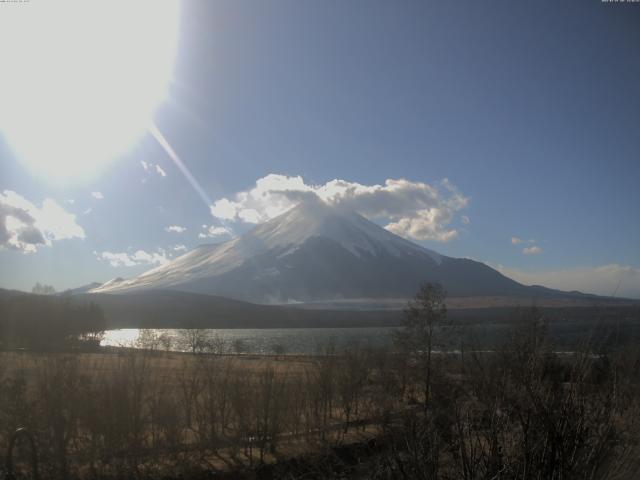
(531, 110)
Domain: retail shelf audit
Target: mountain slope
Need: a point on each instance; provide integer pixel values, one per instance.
(82, 289)
(317, 252)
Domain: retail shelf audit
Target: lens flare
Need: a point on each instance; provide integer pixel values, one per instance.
(157, 134)
(81, 80)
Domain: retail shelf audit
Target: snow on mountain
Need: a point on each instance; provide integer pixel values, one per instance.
(315, 252)
(114, 282)
(82, 289)
(315, 219)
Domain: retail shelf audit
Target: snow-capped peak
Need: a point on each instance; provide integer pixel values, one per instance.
(317, 219)
(282, 235)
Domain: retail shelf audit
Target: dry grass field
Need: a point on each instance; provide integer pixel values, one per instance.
(127, 411)
(523, 410)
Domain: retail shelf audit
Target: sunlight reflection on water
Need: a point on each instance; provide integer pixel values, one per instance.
(259, 341)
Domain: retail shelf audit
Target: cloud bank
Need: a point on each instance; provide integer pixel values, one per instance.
(601, 280)
(415, 210)
(139, 257)
(24, 226)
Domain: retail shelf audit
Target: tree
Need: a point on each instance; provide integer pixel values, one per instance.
(423, 319)
(148, 339)
(351, 380)
(40, 289)
(278, 349)
(36, 321)
(166, 341)
(239, 346)
(192, 339)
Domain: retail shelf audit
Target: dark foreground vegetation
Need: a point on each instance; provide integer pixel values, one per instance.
(521, 410)
(46, 321)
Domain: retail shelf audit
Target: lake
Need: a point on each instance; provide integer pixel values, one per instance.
(256, 341)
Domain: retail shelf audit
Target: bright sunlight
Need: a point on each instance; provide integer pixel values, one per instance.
(82, 80)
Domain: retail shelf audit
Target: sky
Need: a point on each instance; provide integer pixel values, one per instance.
(506, 132)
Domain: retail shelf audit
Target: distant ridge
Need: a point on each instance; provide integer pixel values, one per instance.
(173, 309)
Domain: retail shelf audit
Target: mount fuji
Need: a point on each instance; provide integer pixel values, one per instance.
(316, 252)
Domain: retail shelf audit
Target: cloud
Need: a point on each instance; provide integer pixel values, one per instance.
(175, 229)
(180, 248)
(214, 232)
(97, 195)
(531, 250)
(226, 209)
(153, 167)
(24, 226)
(139, 257)
(415, 210)
(465, 220)
(600, 280)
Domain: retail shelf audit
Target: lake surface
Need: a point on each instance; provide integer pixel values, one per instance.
(255, 341)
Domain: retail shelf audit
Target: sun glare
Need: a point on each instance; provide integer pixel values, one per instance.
(81, 80)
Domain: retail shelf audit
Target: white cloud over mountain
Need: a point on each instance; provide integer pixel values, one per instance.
(139, 257)
(608, 279)
(414, 210)
(24, 226)
(214, 232)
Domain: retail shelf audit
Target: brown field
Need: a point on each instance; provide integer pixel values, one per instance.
(360, 413)
(165, 364)
(119, 411)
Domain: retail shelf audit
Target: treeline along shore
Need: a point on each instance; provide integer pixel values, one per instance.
(50, 321)
(47, 321)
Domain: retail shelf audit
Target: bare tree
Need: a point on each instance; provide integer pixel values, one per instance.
(424, 317)
(41, 289)
(192, 339)
(166, 341)
(351, 380)
(59, 384)
(148, 339)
